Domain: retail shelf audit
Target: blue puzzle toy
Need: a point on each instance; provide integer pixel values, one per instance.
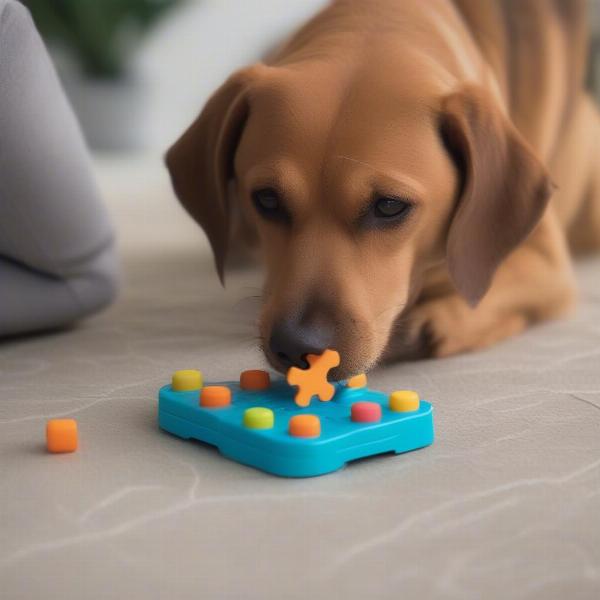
(258, 423)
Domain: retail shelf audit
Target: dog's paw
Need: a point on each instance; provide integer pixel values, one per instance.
(438, 321)
(451, 326)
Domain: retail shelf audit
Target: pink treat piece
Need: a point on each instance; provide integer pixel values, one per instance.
(366, 412)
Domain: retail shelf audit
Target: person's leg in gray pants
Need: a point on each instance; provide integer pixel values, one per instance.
(57, 254)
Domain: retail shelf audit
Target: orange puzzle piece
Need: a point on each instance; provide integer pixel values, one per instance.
(313, 381)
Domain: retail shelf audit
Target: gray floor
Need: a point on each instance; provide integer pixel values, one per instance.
(505, 504)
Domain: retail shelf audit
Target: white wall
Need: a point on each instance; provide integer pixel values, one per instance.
(195, 49)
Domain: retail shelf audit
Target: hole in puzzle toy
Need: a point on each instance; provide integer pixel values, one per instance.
(255, 379)
(366, 412)
(305, 426)
(215, 396)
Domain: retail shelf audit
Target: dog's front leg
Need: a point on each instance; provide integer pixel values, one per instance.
(534, 283)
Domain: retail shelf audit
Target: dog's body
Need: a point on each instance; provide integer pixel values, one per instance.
(457, 113)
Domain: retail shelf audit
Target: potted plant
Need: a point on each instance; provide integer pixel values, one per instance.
(93, 43)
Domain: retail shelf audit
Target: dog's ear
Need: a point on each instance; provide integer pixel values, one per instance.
(503, 194)
(201, 160)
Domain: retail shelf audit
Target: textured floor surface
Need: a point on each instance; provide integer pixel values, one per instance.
(505, 504)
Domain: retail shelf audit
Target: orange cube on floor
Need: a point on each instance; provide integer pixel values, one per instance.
(61, 435)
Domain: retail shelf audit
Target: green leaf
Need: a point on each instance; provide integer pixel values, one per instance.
(100, 34)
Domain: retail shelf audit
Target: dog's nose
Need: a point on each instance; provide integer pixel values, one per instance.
(292, 340)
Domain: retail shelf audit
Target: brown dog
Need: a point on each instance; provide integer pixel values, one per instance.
(397, 160)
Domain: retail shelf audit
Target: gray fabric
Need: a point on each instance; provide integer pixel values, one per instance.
(57, 255)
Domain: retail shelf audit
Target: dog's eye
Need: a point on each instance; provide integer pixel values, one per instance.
(268, 204)
(391, 208)
(266, 200)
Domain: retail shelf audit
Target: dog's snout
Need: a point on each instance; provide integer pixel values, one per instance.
(292, 340)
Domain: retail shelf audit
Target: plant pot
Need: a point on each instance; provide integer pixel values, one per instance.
(110, 111)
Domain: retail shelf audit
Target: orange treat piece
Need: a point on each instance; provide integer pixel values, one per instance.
(358, 381)
(306, 426)
(255, 379)
(61, 435)
(313, 381)
(215, 396)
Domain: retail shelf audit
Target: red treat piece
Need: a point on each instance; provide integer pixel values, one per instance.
(366, 412)
(255, 379)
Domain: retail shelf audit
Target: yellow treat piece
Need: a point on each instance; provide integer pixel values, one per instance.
(404, 401)
(358, 381)
(258, 418)
(61, 435)
(186, 380)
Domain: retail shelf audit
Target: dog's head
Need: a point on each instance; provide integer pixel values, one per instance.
(357, 186)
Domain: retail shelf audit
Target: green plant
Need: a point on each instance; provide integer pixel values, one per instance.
(100, 34)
